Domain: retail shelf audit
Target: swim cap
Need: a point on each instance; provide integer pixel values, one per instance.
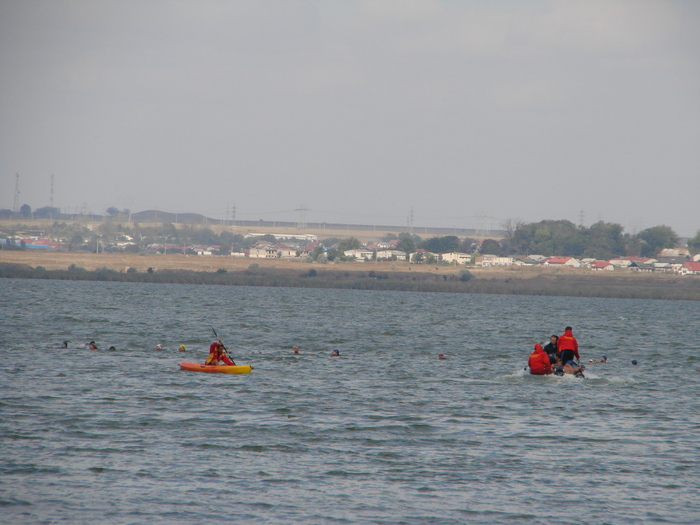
(634, 361)
(604, 357)
(182, 348)
(158, 347)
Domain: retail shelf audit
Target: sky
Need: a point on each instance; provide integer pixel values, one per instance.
(436, 113)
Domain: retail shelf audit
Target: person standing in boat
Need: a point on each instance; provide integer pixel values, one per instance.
(539, 362)
(551, 349)
(217, 355)
(567, 346)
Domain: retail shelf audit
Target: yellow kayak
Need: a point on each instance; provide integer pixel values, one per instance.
(223, 369)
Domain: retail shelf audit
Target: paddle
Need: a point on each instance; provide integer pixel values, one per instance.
(222, 345)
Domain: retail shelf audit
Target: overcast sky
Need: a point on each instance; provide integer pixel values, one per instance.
(465, 112)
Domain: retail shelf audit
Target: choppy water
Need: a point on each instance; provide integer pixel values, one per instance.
(385, 433)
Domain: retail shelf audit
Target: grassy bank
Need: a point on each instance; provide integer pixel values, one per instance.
(572, 285)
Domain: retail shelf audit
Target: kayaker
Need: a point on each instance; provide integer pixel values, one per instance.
(217, 354)
(567, 346)
(539, 362)
(551, 349)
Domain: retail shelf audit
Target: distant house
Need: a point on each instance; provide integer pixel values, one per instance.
(691, 268)
(569, 262)
(397, 255)
(263, 250)
(625, 262)
(359, 254)
(523, 260)
(644, 267)
(492, 260)
(457, 258)
(674, 252)
(601, 266)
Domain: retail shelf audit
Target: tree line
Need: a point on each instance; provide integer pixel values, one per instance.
(601, 240)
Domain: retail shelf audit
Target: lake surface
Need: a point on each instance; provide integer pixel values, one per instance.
(385, 433)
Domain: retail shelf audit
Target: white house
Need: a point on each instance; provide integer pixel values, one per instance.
(263, 250)
(457, 258)
(492, 260)
(569, 262)
(390, 254)
(359, 254)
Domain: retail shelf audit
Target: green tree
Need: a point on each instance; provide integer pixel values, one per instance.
(25, 210)
(406, 243)
(446, 244)
(694, 243)
(349, 243)
(604, 241)
(656, 238)
(75, 241)
(491, 247)
(468, 245)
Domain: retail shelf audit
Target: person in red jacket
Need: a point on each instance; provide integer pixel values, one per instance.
(539, 362)
(217, 354)
(567, 346)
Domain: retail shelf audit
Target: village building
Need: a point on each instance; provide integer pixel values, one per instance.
(492, 260)
(569, 262)
(457, 258)
(601, 266)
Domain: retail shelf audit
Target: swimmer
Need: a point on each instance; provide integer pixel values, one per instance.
(441, 356)
(296, 350)
(335, 353)
(182, 348)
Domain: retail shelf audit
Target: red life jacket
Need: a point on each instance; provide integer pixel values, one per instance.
(539, 362)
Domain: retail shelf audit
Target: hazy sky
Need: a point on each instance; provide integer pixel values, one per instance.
(466, 112)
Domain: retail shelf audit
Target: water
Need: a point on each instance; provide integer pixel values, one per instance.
(385, 433)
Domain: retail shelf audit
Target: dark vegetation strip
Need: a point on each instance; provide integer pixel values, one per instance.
(642, 287)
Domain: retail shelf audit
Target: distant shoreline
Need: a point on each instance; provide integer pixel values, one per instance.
(357, 276)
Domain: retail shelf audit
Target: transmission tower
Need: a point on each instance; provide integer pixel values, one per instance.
(480, 229)
(15, 208)
(301, 223)
(51, 199)
(581, 217)
(410, 221)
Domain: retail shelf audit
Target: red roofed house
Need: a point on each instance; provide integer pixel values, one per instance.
(691, 268)
(601, 265)
(562, 261)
